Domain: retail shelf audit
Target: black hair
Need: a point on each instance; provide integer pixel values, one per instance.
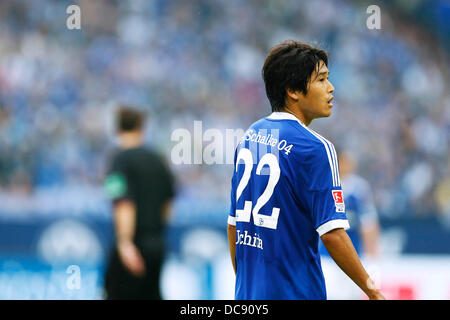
(129, 119)
(289, 65)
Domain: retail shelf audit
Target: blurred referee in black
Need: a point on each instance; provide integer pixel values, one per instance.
(141, 187)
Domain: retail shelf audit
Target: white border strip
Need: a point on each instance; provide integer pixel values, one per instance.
(331, 225)
(336, 164)
(334, 157)
(232, 220)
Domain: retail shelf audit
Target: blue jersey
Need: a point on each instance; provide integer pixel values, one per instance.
(360, 210)
(285, 193)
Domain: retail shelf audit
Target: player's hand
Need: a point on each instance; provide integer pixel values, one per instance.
(376, 296)
(131, 258)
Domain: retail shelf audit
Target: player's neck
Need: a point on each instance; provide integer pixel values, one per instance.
(298, 114)
(129, 140)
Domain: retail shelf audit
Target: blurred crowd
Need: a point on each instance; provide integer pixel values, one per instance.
(183, 61)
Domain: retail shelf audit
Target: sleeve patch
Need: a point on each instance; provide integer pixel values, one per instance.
(338, 197)
(115, 185)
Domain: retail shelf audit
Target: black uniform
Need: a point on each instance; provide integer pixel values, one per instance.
(140, 175)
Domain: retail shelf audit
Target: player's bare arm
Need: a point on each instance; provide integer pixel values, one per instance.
(125, 224)
(344, 254)
(231, 230)
(166, 210)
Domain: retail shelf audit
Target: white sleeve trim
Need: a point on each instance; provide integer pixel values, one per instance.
(232, 220)
(331, 225)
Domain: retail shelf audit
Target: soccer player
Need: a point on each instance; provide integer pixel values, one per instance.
(286, 191)
(141, 188)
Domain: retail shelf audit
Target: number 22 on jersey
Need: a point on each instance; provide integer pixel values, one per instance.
(244, 214)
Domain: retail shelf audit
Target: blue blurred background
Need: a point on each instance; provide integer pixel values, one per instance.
(184, 61)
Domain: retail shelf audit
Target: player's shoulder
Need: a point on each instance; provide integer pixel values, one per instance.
(118, 155)
(135, 155)
(124, 155)
(316, 145)
(150, 156)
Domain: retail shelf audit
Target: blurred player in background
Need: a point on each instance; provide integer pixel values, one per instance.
(141, 187)
(286, 190)
(360, 208)
(364, 228)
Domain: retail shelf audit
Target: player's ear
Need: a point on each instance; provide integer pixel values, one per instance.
(293, 94)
